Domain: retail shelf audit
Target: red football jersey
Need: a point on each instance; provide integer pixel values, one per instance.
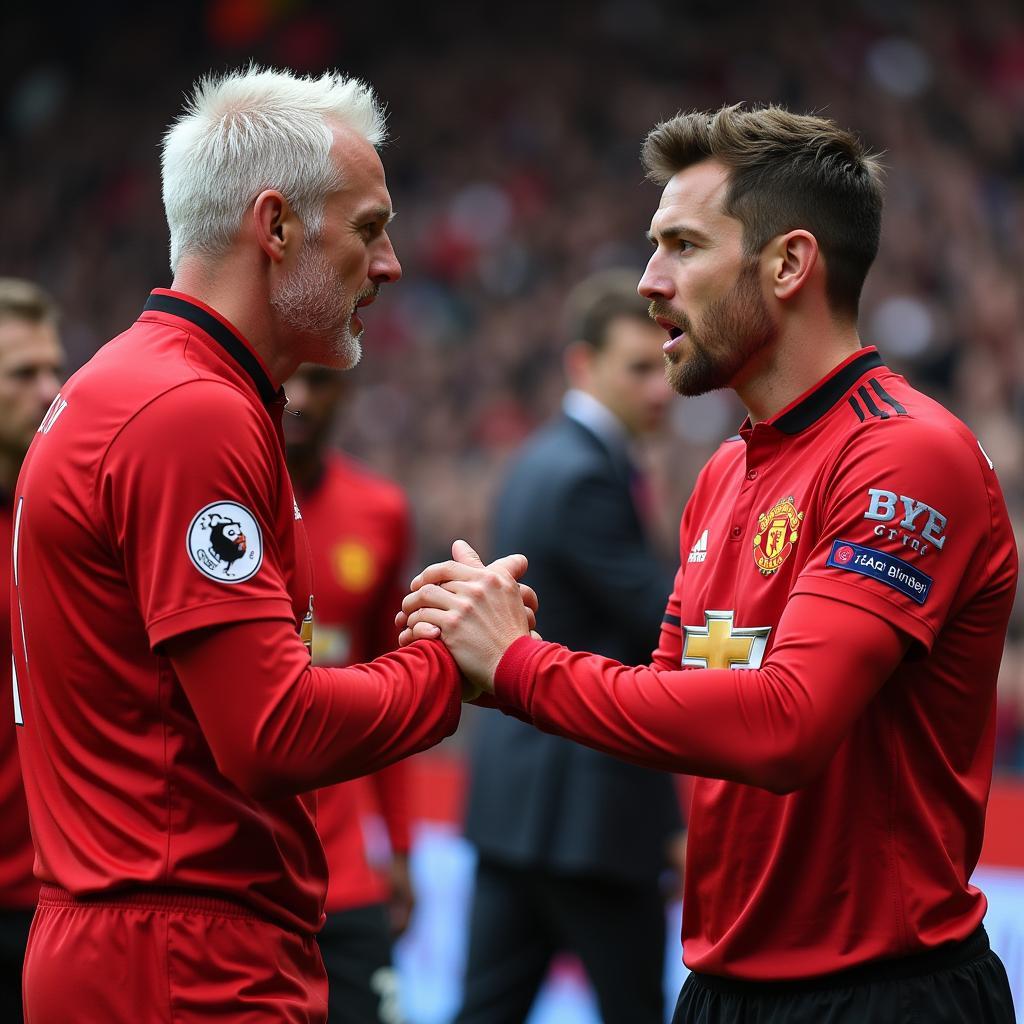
(155, 501)
(863, 498)
(359, 529)
(18, 887)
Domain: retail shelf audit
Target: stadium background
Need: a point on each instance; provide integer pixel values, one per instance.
(513, 168)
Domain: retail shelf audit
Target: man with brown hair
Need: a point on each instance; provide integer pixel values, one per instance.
(31, 363)
(829, 654)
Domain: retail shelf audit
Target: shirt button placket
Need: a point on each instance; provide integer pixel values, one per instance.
(748, 492)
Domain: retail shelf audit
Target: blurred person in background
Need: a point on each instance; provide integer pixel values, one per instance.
(174, 727)
(359, 530)
(31, 364)
(829, 654)
(572, 844)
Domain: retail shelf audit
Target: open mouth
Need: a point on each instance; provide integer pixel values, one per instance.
(674, 330)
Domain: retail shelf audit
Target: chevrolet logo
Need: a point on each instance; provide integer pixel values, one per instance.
(718, 644)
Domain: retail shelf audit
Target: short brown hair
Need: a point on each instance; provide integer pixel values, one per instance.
(786, 171)
(23, 300)
(598, 300)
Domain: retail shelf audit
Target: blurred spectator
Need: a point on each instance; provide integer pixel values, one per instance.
(31, 363)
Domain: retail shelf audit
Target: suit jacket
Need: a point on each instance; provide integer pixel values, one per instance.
(543, 801)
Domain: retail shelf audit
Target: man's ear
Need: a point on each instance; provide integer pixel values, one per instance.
(793, 258)
(577, 362)
(274, 223)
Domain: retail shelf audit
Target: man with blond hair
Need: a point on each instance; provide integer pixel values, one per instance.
(170, 718)
(829, 654)
(31, 363)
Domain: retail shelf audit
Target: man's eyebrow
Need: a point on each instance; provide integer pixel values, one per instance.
(384, 213)
(677, 231)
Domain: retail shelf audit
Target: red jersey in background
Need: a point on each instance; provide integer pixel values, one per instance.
(358, 526)
(18, 887)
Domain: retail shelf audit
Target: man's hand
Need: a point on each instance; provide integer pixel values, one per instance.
(477, 610)
(515, 565)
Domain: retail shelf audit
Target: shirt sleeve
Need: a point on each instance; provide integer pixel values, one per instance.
(775, 727)
(277, 725)
(904, 518)
(188, 487)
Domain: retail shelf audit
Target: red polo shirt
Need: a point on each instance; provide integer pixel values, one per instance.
(862, 503)
(155, 502)
(359, 531)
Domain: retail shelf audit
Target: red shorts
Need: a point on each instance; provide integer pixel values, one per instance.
(156, 957)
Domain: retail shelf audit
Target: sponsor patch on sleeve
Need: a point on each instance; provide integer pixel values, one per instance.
(881, 566)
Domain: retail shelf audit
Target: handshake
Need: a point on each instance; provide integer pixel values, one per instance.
(478, 610)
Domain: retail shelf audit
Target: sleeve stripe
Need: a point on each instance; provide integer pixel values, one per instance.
(856, 408)
(870, 405)
(672, 620)
(886, 397)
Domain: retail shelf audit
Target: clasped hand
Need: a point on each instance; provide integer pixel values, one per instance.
(477, 610)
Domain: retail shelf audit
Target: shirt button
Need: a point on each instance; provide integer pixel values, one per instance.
(737, 530)
(752, 475)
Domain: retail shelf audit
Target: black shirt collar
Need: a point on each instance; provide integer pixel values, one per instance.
(223, 335)
(824, 395)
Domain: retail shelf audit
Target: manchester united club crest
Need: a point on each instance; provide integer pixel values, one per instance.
(776, 534)
(225, 543)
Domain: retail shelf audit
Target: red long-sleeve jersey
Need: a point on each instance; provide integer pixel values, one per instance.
(828, 662)
(170, 713)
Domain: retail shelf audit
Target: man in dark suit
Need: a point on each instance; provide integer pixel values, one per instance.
(572, 843)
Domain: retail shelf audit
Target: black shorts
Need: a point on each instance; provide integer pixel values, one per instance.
(958, 983)
(14, 926)
(362, 985)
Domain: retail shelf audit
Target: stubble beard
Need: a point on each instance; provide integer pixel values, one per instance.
(313, 302)
(733, 329)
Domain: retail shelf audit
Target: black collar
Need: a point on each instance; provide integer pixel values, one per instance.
(810, 409)
(221, 334)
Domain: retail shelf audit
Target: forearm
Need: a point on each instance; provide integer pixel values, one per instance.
(277, 726)
(773, 727)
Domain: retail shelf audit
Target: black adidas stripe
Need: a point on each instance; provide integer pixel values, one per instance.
(870, 405)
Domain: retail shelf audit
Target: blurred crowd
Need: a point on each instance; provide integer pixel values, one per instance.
(514, 172)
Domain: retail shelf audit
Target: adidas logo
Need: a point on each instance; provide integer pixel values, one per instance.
(699, 551)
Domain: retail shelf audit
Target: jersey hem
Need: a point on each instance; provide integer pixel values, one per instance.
(213, 613)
